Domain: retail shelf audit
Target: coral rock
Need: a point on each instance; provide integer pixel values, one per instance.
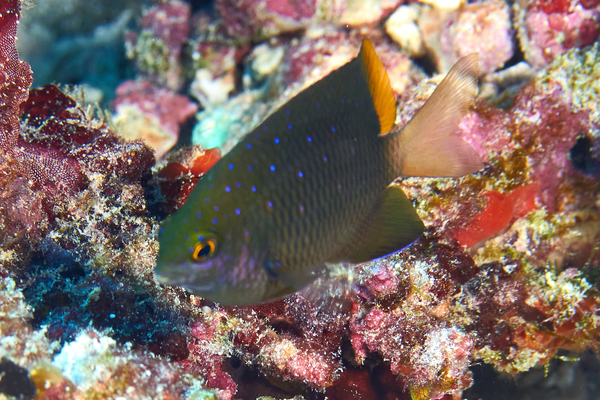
(157, 47)
(144, 111)
(260, 19)
(548, 28)
(483, 28)
(403, 29)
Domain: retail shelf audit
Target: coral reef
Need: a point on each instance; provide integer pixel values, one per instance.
(504, 282)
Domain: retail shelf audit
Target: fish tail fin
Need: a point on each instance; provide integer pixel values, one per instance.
(379, 86)
(427, 145)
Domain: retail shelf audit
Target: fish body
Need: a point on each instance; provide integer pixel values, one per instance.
(311, 185)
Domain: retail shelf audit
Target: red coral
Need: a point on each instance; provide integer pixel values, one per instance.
(501, 209)
(178, 178)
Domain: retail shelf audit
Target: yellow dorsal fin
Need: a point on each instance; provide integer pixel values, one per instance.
(379, 85)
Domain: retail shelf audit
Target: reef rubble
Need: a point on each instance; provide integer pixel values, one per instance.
(507, 274)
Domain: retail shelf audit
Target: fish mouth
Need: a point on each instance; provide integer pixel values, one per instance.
(186, 274)
(189, 282)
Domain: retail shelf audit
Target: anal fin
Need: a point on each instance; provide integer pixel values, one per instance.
(393, 226)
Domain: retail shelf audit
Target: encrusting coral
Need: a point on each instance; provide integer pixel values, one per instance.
(505, 274)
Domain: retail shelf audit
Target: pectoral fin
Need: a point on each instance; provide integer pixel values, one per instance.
(393, 226)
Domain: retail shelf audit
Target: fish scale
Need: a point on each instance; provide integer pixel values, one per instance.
(246, 236)
(336, 220)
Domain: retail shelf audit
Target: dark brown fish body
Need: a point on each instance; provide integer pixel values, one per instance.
(309, 185)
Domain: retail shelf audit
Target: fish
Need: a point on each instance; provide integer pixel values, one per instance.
(313, 185)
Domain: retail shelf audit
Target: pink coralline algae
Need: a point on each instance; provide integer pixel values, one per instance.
(505, 276)
(470, 29)
(547, 28)
(248, 19)
(157, 47)
(144, 111)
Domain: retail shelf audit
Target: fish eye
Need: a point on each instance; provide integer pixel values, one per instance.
(204, 250)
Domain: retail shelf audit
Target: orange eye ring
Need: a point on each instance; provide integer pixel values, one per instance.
(204, 250)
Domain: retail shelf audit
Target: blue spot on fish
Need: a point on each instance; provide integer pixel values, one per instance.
(264, 128)
(318, 104)
(227, 189)
(207, 200)
(254, 188)
(238, 184)
(246, 233)
(276, 140)
(287, 112)
(270, 204)
(248, 146)
(300, 174)
(289, 126)
(198, 214)
(230, 166)
(333, 129)
(215, 220)
(268, 266)
(237, 211)
(200, 238)
(185, 221)
(216, 208)
(272, 168)
(250, 168)
(191, 249)
(309, 138)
